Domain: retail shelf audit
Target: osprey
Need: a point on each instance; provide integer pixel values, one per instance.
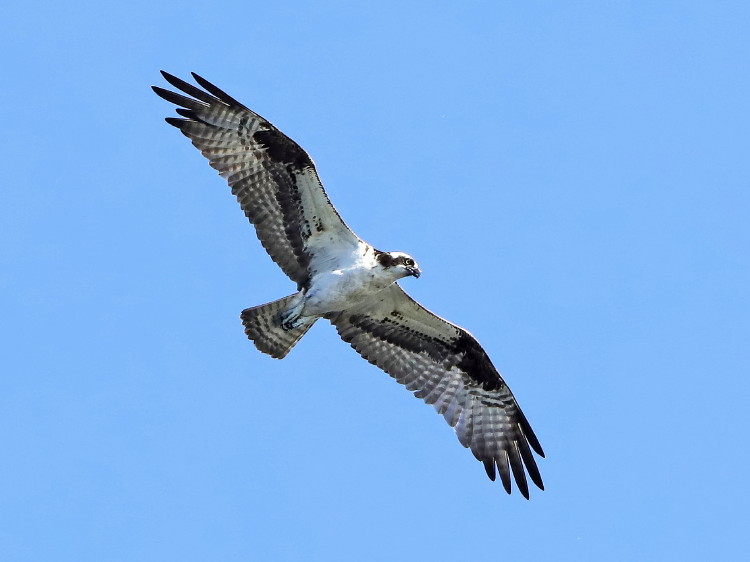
(347, 281)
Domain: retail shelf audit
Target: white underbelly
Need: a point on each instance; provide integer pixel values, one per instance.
(339, 290)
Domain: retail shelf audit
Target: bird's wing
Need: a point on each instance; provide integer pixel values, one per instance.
(273, 178)
(445, 366)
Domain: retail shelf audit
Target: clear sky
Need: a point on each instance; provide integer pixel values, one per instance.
(573, 178)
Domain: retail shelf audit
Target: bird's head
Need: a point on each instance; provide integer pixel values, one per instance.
(402, 265)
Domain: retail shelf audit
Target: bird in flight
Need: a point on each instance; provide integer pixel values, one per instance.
(348, 282)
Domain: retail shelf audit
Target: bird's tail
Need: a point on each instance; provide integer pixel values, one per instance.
(263, 326)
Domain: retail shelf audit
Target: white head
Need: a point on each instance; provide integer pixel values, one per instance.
(401, 264)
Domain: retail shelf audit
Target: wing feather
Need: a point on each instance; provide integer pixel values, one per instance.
(446, 367)
(502, 469)
(273, 178)
(189, 89)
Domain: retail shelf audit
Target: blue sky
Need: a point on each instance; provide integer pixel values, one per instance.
(573, 178)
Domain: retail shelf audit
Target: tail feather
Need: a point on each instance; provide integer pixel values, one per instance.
(263, 327)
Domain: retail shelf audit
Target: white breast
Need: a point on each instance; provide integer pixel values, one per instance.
(355, 277)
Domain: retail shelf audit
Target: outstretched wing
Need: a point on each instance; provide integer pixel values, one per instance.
(445, 366)
(274, 179)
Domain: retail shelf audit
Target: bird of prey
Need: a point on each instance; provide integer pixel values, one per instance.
(350, 283)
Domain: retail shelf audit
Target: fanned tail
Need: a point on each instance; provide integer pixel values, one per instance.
(263, 326)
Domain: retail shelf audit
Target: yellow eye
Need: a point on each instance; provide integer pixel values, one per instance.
(409, 261)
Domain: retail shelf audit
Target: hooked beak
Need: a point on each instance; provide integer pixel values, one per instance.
(415, 271)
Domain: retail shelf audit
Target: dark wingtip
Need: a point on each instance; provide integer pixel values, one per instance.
(171, 78)
(189, 89)
(503, 470)
(516, 466)
(489, 467)
(536, 446)
(175, 122)
(214, 90)
(522, 486)
(167, 76)
(536, 478)
(523, 423)
(528, 459)
(162, 93)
